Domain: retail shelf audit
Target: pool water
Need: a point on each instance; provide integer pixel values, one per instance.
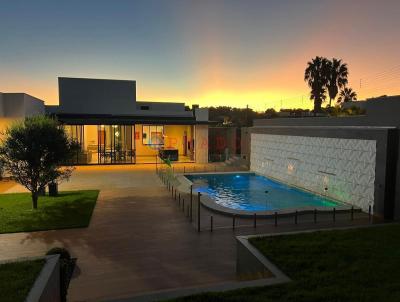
(251, 192)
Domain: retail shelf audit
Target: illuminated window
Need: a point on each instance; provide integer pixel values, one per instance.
(153, 135)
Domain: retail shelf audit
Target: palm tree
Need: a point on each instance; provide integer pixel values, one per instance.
(337, 78)
(316, 77)
(347, 95)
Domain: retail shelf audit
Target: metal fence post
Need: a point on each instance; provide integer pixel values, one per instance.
(295, 217)
(191, 203)
(369, 213)
(212, 223)
(183, 205)
(198, 211)
(315, 215)
(179, 199)
(352, 213)
(334, 214)
(255, 220)
(276, 218)
(233, 222)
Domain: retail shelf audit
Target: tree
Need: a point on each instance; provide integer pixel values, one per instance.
(316, 76)
(336, 78)
(34, 151)
(271, 113)
(347, 95)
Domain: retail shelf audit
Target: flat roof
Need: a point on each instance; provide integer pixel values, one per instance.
(109, 119)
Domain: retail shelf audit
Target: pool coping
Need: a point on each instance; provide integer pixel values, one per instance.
(209, 203)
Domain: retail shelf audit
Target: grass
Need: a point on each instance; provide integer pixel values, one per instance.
(17, 278)
(348, 265)
(67, 210)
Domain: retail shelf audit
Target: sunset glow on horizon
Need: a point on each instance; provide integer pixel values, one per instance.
(211, 53)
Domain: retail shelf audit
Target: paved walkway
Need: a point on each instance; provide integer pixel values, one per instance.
(138, 240)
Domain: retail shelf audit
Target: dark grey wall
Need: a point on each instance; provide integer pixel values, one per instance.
(386, 148)
(96, 96)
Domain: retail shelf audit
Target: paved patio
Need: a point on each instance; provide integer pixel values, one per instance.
(138, 240)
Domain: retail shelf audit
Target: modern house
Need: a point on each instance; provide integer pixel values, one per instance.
(112, 127)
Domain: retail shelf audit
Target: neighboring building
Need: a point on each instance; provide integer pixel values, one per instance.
(112, 127)
(379, 106)
(353, 159)
(15, 106)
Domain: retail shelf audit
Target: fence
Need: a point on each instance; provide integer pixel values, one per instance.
(203, 219)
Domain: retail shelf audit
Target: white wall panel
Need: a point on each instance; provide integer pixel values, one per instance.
(345, 166)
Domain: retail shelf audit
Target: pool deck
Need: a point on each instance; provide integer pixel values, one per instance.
(139, 241)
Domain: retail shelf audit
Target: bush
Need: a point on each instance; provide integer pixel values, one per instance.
(64, 254)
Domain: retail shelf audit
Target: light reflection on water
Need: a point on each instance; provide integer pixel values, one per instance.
(255, 193)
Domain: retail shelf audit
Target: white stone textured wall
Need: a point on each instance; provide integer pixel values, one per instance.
(345, 166)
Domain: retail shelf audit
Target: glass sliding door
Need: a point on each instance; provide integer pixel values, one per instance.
(115, 144)
(77, 133)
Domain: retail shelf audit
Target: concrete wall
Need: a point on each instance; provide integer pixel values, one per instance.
(335, 154)
(96, 96)
(245, 143)
(201, 114)
(387, 116)
(16, 106)
(1, 105)
(47, 285)
(20, 105)
(201, 144)
(343, 169)
(33, 106)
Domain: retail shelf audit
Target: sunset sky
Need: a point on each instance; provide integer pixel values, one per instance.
(199, 52)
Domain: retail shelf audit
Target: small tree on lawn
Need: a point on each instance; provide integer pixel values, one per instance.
(34, 151)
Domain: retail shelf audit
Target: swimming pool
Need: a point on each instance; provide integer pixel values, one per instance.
(251, 192)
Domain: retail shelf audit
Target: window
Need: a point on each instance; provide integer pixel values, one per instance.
(153, 135)
(144, 107)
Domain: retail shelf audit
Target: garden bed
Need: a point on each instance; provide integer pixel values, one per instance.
(17, 278)
(342, 265)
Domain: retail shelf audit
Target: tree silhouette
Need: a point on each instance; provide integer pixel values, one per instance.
(336, 78)
(347, 95)
(316, 76)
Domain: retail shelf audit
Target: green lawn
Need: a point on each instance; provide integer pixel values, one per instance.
(16, 279)
(68, 210)
(350, 265)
